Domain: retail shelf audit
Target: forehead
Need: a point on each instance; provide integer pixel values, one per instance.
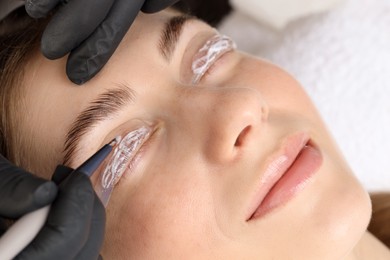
(140, 50)
(53, 102)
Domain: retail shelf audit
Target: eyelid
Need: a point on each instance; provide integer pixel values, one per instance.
(202, 56)
(209, 54)
(134, 135)
(124, 154)
(192, 46)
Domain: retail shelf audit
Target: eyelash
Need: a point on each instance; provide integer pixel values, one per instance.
(207, 57)
(125, 155)
(131, 164)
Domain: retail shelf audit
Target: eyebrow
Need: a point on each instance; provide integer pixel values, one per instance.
(100, 109)
(111, 101)
(171, 34)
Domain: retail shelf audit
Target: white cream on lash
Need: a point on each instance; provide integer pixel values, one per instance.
(123, 153)
(209, 53)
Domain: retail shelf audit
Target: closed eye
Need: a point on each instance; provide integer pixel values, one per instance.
(209, 54)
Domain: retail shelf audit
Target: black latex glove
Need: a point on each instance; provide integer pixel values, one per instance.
(76, 221)
(90, 30)
(21, 192)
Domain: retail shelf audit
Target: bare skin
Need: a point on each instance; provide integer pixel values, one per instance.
(188, 193)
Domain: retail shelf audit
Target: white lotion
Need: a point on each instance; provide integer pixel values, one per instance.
(123, 154)
(209, 53)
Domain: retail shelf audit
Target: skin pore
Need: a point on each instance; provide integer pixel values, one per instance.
(187, 192)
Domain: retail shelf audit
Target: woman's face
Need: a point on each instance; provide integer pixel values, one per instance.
(216, 147)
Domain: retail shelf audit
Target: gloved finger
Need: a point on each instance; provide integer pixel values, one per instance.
(60, 173)
(68, 225)
(96, 235)
(72, 24)
(88, 59)
(22, 192)
(153, 6)
(40, 8)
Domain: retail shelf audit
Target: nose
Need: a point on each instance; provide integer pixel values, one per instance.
(232, 118)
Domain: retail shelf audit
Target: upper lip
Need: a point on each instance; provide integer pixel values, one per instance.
(279, 163)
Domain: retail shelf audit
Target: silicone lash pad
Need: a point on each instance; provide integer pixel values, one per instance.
(123, 153)
(119, 161)
(209, 53)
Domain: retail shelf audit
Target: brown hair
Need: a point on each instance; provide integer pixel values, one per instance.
(19, 39)
(380, 221)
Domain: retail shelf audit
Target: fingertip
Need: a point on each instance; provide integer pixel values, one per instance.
(80, 71)
(49, 46)
(39, 8)
(45, 193)
(33, 10)
(78, 80)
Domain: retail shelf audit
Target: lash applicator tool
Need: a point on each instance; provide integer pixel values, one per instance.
(25, 229)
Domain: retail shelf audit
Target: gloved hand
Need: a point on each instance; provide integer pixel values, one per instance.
(76, 221)
(90, 30)
(21, 192)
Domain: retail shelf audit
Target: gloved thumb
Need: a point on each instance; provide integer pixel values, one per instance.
(22, 192)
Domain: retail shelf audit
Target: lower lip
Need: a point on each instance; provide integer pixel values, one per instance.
(292, 182)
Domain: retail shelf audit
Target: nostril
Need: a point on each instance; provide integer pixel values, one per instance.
(241, 137)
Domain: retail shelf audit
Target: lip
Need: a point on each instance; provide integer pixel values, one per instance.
(289, 171)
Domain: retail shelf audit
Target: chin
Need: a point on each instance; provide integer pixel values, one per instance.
(357, 217)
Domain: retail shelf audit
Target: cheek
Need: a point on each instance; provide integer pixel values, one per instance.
(343, 208)
(278, 88)
(344, 190)
(170, 206)
(335, 206)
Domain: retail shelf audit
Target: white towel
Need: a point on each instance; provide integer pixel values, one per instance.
(342, 58)
(278, 13)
